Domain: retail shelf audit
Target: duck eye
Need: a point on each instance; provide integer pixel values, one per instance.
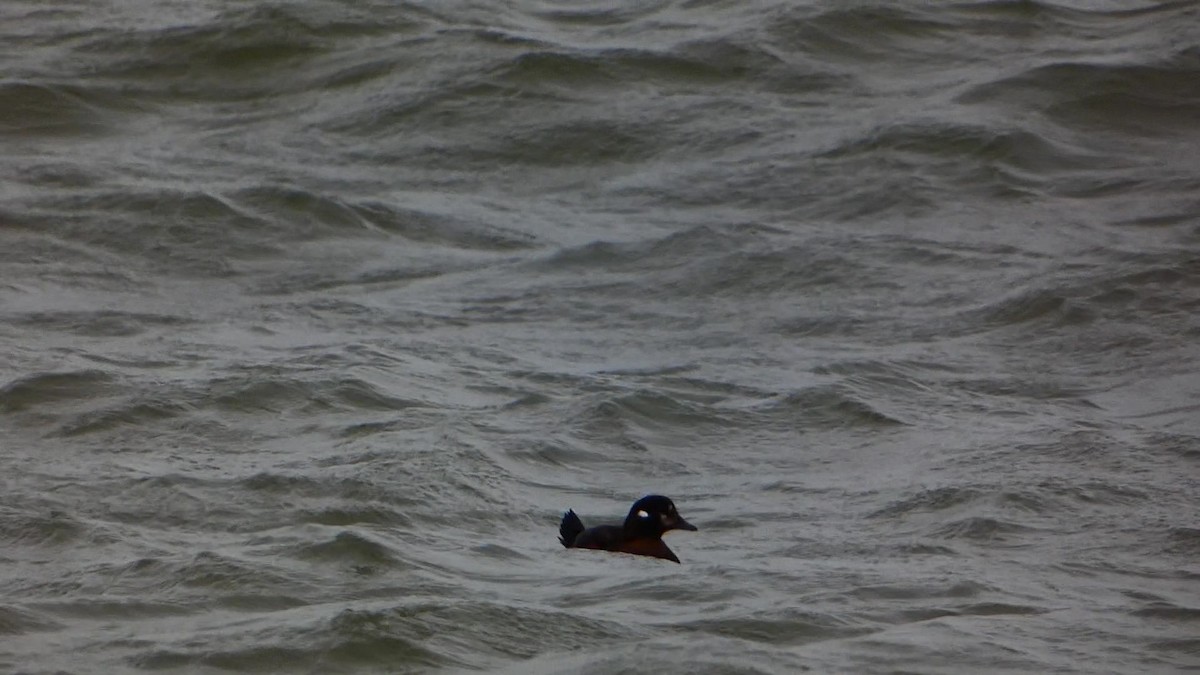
(643, 514)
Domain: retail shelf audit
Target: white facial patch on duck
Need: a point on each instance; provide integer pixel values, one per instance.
(643, 514)
(669, 518)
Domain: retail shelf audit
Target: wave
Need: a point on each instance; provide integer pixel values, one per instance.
(15, 620)
(102, 323)
(981, 529)
(224, 57)
(714, 265)
(54, 530)
(1168, 611)
(265, 392)
(96, 402)
(38, 389)
(827, 407)
(778, 627)
(345, 641)
(347, 548)
(31, 108)
(931, 500)
(864, 32)
(997, 162)
(140, 412)
(1151, 99)
(406, 634)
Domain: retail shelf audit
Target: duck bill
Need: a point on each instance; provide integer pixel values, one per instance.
(682, 524)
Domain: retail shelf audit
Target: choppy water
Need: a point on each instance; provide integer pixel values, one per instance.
(316, 315)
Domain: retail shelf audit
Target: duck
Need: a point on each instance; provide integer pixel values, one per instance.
(649, 519)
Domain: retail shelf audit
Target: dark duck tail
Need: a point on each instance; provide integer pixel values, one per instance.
(569, 529)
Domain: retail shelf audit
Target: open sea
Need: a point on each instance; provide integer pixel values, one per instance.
(315, 315)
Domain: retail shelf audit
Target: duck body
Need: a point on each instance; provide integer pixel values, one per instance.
(641, 534)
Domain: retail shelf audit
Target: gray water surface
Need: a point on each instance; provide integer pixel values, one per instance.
(315, 316)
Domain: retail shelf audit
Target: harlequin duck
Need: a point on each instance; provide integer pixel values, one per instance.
(649, 518)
